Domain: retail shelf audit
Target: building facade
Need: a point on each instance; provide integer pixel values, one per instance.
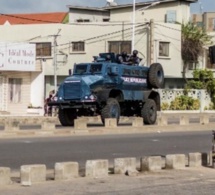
(91, 31)
(206, 21)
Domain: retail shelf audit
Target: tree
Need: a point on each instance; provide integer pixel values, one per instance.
(193, 41)
(203, 79)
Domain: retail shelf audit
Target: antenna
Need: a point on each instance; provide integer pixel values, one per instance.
(111, 3)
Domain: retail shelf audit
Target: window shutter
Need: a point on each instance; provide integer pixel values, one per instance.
(126, 46)
(171, 16)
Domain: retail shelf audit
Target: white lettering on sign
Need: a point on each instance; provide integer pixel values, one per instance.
(72, 81)
(133, 80)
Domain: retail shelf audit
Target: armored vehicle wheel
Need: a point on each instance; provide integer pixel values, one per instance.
(149, 112)
(111, 110)
(67, 117)
(156, 76)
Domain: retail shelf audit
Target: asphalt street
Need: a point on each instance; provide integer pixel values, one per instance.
(23, 151)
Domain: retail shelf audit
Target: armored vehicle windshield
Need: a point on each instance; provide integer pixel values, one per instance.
(93, 68)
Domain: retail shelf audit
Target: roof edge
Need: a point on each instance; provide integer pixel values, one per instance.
(125, 5)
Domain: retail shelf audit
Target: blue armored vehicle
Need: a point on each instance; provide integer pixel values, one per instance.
(110, 89)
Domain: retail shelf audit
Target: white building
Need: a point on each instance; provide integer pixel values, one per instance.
(90, 32)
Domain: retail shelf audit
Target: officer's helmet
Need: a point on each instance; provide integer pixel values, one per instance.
(135, 52)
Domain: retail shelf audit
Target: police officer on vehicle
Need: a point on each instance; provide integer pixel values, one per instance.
(134, 59)
(123, 58)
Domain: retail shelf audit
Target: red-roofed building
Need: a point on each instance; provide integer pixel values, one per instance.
(38, 18)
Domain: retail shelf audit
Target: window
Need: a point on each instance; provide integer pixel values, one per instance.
(164, 49)
(15, 90)
(144, 73)
(119, 46)
(83, 20)
(96, 68)
(106, 19)
(80, 69)
(192, 65)
(211, 24)
(199, 24)
(78, 46)
(136, 72)
(126, 72)
(43, 49)
(214, 24)
(210, 58)
(171, 16)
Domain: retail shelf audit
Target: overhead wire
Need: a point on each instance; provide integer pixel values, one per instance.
(81, 24)
(102, 36)
(168, 27)
(176, 47)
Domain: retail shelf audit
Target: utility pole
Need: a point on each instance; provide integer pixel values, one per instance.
(151, 45)
(55, 58)
(133, 26)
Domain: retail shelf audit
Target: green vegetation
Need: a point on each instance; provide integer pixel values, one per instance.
(182, 102)
(203, 79)
(193, 41)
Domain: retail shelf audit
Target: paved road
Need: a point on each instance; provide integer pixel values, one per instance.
(17, 152)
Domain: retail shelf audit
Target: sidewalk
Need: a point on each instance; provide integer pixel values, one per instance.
(167, 182)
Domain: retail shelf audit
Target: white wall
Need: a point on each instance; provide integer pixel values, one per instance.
(157, 12)
(170, 33)
(96, 39)
(92, 15)
(37, 89)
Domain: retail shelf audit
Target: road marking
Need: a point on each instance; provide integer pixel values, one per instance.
(117, 154)
(155, 140)
(27, 142)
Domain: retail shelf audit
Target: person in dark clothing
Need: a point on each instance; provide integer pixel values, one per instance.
(134, 59)
(108, 58)
(49, 109)
(123, 58)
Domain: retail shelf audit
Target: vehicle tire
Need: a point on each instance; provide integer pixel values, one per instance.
(111, 110)
(156, 76)
(149, 112)
(67, 117)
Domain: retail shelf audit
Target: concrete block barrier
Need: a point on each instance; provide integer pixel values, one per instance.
(48, 126)
(204, 119)
(80, 123)
(66, 170)
(195, 159)
(5, 176)
(16, 124)
(162, 121)
(32, 174)
(97, 168)
(110, 122)
(11, 125)
(151, 163)
(124, 165)
(175, 161)
(137, 122)
(184, 120)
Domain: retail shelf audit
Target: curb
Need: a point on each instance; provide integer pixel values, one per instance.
(37, 173)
